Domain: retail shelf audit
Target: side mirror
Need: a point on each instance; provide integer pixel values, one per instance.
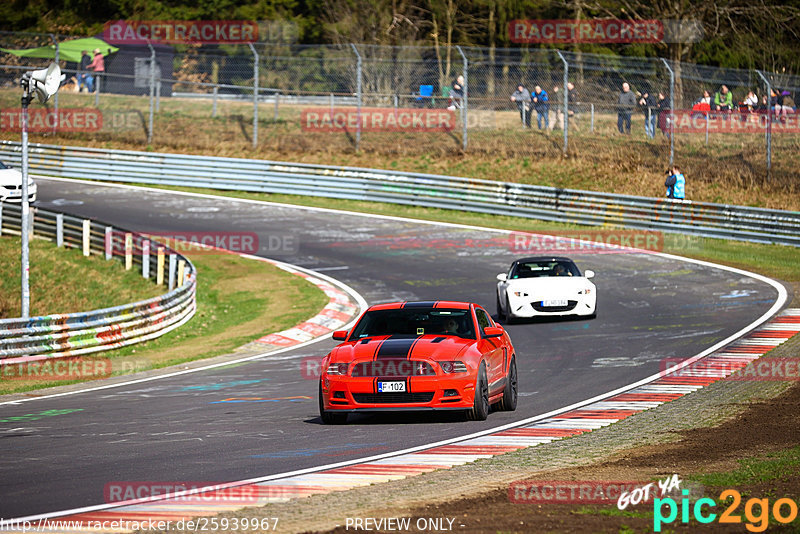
(492, 331)
(340, 335)
(589, 273)
(502, 277)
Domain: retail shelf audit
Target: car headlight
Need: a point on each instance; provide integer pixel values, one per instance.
(337, 369)
(520, 294)
(586, 291)
(453, 367)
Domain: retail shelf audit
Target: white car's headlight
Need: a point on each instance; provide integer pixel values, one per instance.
(520, 294)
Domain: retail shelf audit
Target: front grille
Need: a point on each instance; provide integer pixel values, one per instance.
(386, 368)
(392, 398)
(538, 306)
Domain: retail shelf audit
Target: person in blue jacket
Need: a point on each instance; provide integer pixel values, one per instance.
(675, 183)
(541, 105)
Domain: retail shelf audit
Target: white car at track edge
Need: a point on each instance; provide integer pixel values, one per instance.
(11, 185)
(545, 286)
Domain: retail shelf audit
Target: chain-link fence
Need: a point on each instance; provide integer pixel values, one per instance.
(626, 112)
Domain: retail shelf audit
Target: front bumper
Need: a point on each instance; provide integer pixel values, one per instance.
(423, 393)
(529, 307)
(15, 195)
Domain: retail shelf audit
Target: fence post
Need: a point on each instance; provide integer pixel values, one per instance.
(277, 98)
(707, 117)
(152, 90)
(60, 230)
(214, 106)
(769, 124)
(172, 266)
(109, 242)
(464, 101)
(87, 229)
(145, 258)
(128, 251)
(181, 270)
(160, 266)
(671, 112)
(255, 94)
(358, 96)
(158, 94)
(97, 91)
(566, 101)
(55, 99)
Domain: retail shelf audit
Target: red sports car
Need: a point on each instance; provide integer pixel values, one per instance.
(419, 356)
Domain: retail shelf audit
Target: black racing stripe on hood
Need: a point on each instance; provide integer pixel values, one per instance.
(396, 347)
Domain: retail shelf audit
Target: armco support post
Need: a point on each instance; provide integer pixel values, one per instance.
(181, 270)
(172, 266)
(160, 270)
(145, 258)
(128, 251)
(60, 230)
(87, 231)
(109, 243)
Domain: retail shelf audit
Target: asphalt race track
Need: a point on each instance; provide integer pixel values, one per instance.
(182, 429)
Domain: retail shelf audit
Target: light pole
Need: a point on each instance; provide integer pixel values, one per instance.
(44, 83)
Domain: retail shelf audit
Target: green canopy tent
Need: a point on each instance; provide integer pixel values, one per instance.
(67, 50)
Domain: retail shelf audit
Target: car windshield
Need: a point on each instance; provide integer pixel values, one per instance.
(543, 268)
(3, 166)
(415, 322)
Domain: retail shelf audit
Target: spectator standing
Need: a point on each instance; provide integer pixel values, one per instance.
(457, 92)
(648, 104)
(522, 97)
(557, 97)
(84, 79)
(723, 99)
(98, 65)
(541, 106)
(626, 103)
(572, 102)
(663, 111)
(675, 183)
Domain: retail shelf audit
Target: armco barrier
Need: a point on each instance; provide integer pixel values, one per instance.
(484, 196)
(71, 334)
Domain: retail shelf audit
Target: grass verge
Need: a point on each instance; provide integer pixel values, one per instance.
(238, 300)
(64, 281)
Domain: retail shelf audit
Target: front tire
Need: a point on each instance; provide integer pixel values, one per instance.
(500, 314)
(328, 417)
(509, 401)
(480, 406)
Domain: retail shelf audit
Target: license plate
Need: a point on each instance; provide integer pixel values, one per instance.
(391, 387)
(553, 303)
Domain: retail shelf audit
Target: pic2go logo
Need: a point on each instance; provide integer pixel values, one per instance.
(756, 511)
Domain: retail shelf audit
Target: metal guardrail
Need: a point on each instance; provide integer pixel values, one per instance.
(73, 334)
(484, 196)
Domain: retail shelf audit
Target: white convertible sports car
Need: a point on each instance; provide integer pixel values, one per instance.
(544, 286)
